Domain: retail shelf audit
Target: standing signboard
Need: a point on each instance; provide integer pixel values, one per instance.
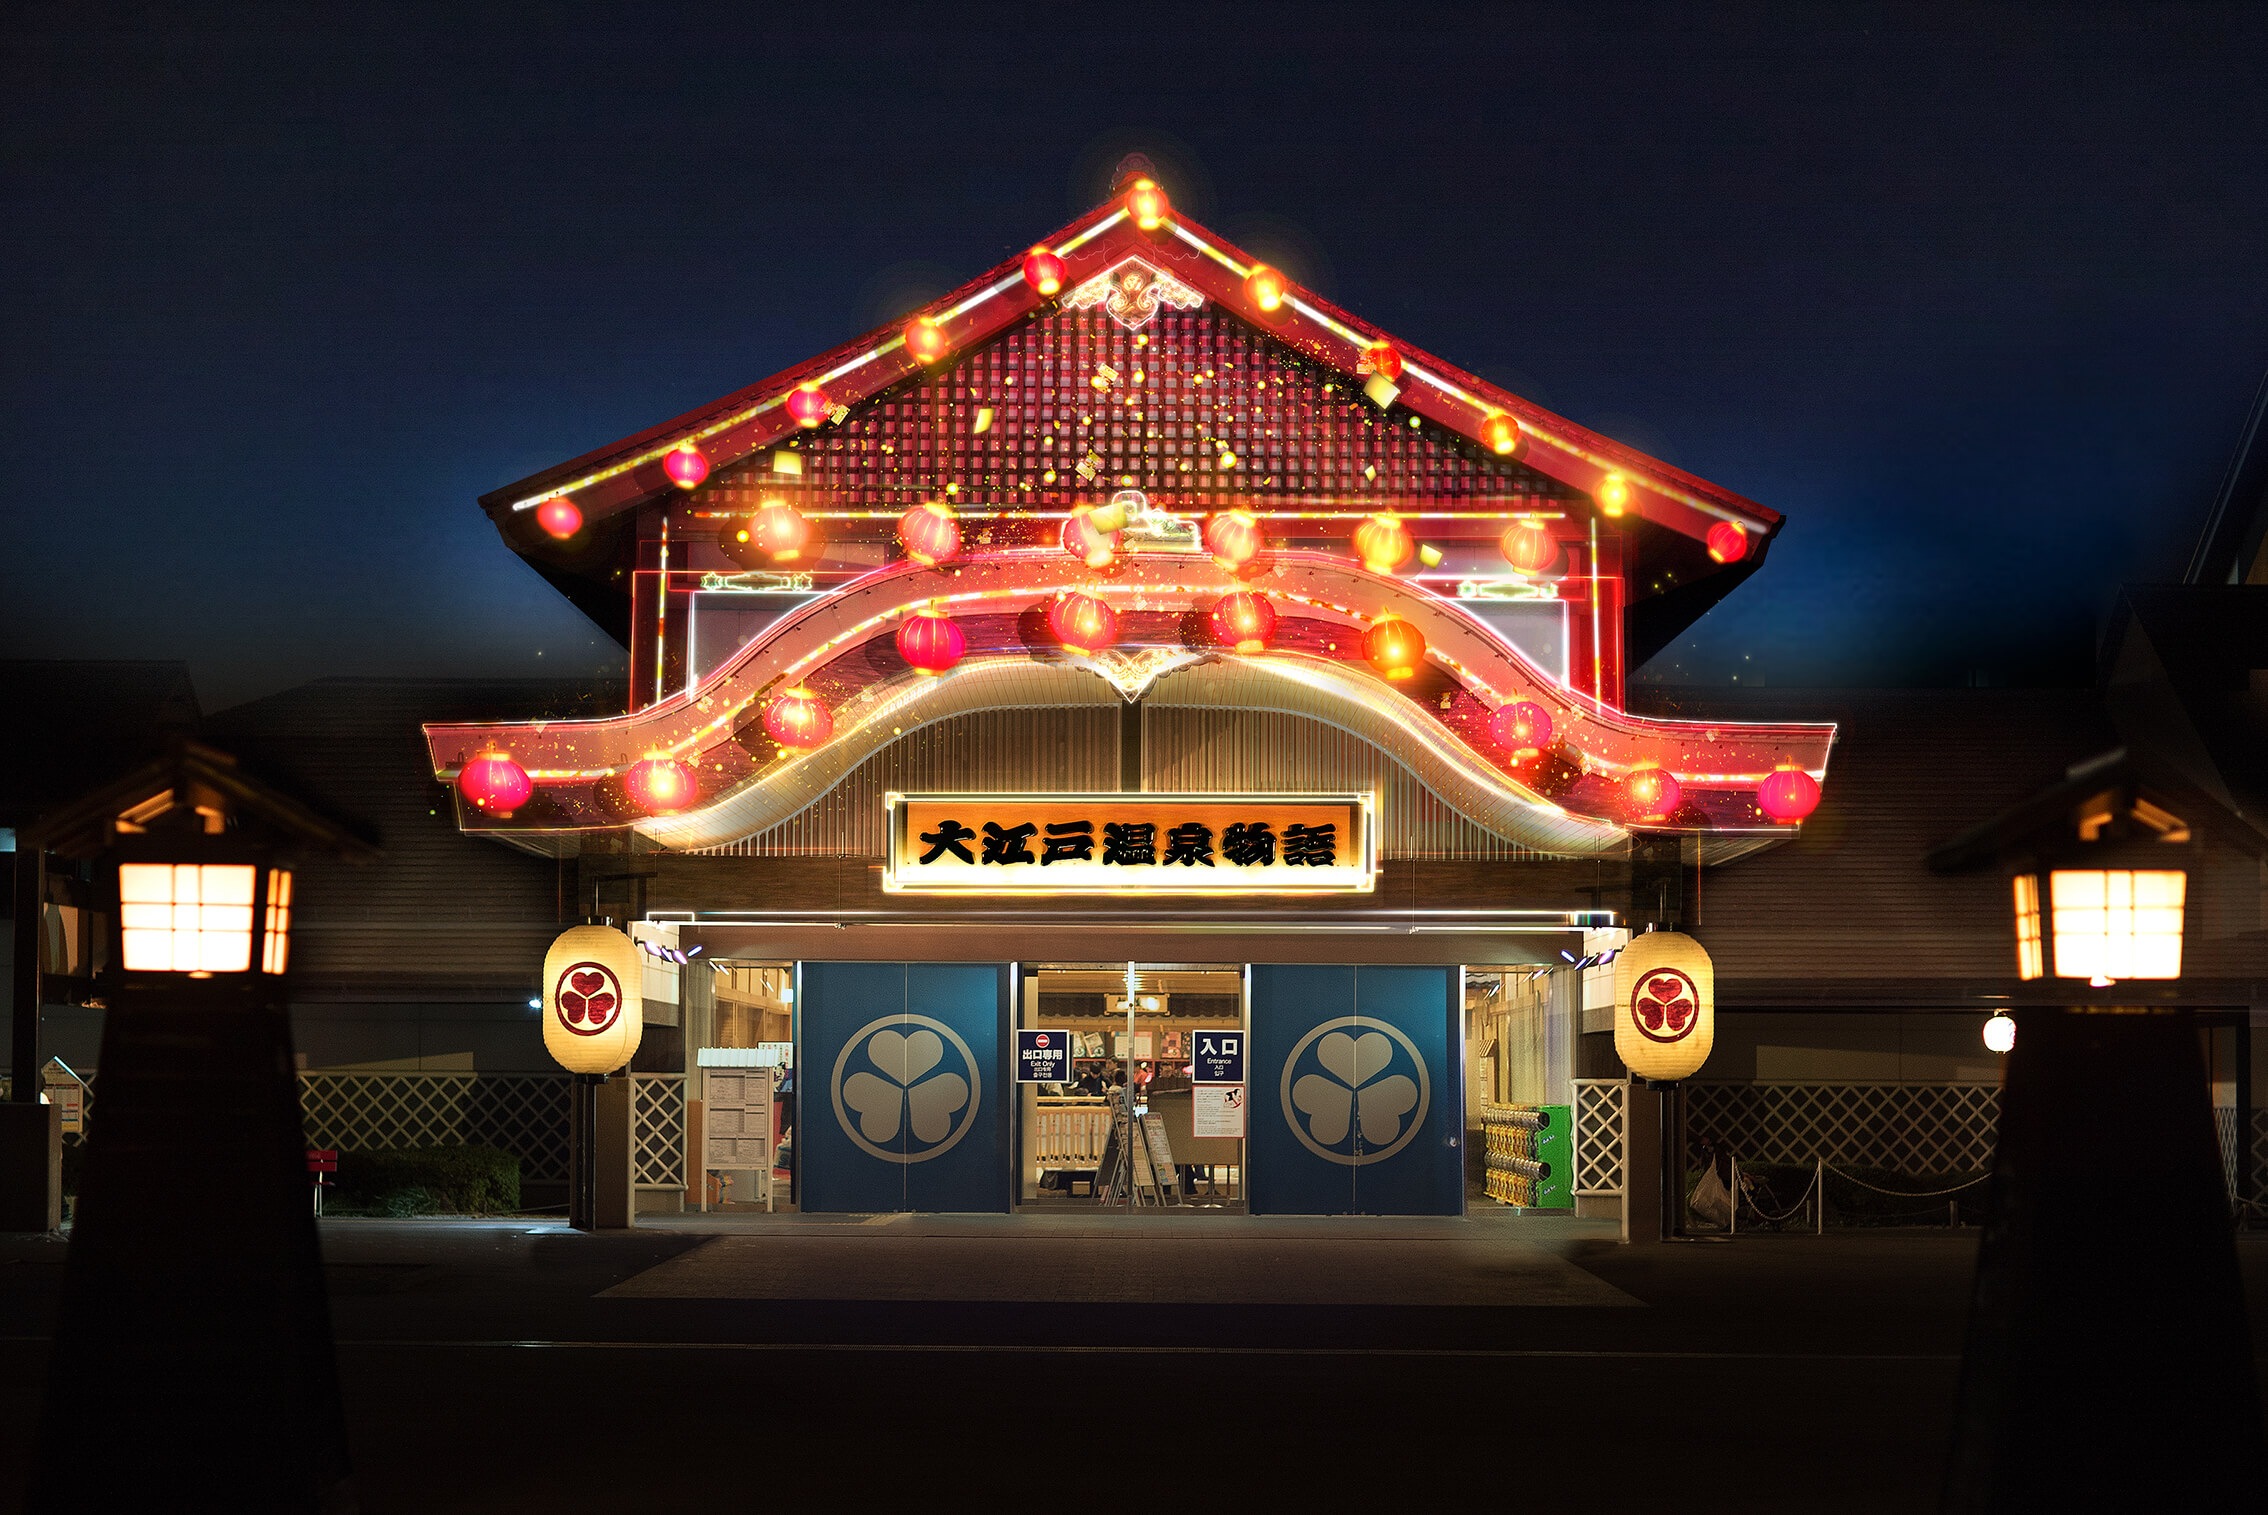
(1043, 1057)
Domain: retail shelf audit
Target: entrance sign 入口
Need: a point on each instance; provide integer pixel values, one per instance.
(1217, 1110)
(1216, 1057)
(1130, 844)
(1043, 1057)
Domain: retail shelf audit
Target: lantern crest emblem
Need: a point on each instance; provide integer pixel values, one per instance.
(1666, 1005)
(589, 998)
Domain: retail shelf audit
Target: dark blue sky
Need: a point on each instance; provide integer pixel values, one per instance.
(1977, 302)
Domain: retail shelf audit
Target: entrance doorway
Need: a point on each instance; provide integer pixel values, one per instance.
(1130, 1130)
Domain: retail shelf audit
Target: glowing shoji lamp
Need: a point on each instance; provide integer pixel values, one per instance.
(195, 1184)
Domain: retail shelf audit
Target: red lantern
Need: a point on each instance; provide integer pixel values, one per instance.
(559, 518)
(1244, 620)
(494, 784)
(1384, 360)
(1086, 541)
(1043, 271)
(1082, 622)
(1728, 542)
(1523, 726)
(797, 719)
(1788, 795)
(1394, 647)
(778, 531)
(1266, 288)
(807, 403)
(685, 465)
(1651, 792)
(930, 641)
(660, 785)
(1528, 546)
(1233, 538)
(1500, 434)
(930, 533)
(925, 339)
(1146, 203)
(1383, 544)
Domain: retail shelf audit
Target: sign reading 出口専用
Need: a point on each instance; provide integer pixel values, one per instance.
(1130, 844)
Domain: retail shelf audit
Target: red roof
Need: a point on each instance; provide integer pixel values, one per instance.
(616, 477)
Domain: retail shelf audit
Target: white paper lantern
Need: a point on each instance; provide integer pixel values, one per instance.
(593, 1008)
(1665, 1006)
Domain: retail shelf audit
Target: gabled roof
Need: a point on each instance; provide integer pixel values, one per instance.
(615, 478)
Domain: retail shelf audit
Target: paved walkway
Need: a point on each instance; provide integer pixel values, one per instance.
(1128, 1259)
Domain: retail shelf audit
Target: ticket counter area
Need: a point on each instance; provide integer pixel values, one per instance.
(1131, 1027)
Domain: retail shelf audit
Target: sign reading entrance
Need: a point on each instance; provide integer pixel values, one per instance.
(1217, 1057)
(1130, 844)
(1043, 1057)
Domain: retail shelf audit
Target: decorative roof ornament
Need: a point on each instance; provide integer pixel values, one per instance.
(1131, 292)
(1153, 526)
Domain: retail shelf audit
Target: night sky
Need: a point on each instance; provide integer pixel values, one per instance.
(1978, 303)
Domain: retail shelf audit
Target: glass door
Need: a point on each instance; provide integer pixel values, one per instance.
(1130, 1130)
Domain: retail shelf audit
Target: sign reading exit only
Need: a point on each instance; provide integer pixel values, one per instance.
(1043, 1057)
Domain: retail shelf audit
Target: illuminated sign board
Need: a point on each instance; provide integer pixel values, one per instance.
(1130, 844)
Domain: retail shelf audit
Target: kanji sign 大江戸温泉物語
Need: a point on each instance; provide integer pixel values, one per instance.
(1130, 844)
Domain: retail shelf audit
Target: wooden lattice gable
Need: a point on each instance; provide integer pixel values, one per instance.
(1192, 269)
(1197, 409)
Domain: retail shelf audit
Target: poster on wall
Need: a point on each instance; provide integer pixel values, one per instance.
(1217, 1110)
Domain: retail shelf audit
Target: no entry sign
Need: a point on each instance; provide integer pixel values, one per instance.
(1043, 1057)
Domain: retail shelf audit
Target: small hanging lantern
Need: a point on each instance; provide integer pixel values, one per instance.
(807, 404)
(1728, 542)
(929, 640)
(925, 339)
(1394, 647)
(1523, 726)
(1043, 271)
(1500, 434)
(1788, 795)
(1651, 792)
(686, 465)
(1266, 288)
(2000, 1032)
(1383, 543)
(779, 531)
(593, 999)
(1146, 203)
(559, 517)
(1233, 538)
(796, 719)
(1087, 541)
(1665, 1006)
(1613, 494)
(929, 533)
(1528, 546)
(493, 784)
(1244, 620)
(1385, 360)
(660, 784)
(1082, 622)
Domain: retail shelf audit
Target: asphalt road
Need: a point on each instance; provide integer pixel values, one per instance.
(905, 1362)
